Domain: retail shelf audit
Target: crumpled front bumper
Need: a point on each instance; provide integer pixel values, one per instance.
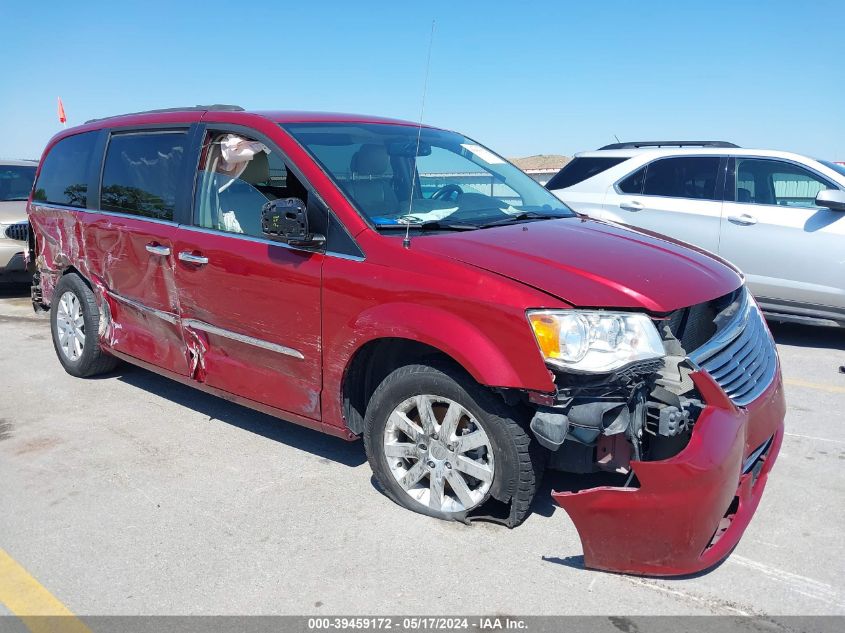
(690, 510)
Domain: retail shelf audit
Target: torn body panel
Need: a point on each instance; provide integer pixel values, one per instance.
(251, 317)
(666, 526)
(231, 323)
(698, 456)
(134, 287)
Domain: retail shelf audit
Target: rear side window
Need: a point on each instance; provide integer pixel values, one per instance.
(142, 172)
(579, 169)
(64, 172)
(687, 177)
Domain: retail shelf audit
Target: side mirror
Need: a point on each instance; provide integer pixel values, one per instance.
(286, 220)
(832, 199)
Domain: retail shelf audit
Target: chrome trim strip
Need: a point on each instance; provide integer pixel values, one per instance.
(54, 205)
(752, 459)
(132, 216)
(242, 338)
(161, 314)
(262, 240)
(117, 214)
(200, 229)
(741, 357)
(726, 335)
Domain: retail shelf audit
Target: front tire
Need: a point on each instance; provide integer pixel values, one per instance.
(75, 323)
(440, 444)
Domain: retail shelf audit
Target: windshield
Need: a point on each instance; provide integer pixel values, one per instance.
(16, 182)
(837, 167)
(442, 178)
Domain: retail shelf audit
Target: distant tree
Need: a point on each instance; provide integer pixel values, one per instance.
(134, 200)
(77, 195)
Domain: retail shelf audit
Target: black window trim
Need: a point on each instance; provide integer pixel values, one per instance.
(196, 152)
(720, 177)
(182, 191)
(90, 178)
(621, 160)
(730, 181)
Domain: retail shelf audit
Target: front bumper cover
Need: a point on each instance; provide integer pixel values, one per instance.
(691, 509)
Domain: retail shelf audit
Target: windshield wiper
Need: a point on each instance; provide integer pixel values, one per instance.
(13, 200)
(521, 217)
(430, 225)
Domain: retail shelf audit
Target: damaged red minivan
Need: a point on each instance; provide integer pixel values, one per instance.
(374, 278)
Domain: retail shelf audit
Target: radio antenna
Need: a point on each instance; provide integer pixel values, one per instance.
(407, 241)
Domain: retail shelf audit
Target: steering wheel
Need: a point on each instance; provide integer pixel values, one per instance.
(446, 192)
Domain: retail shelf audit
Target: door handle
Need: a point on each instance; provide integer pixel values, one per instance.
(190, 258)
(157, 249)
(633, 205)
(742, 220)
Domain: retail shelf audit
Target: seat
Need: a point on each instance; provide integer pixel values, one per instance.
(257, 170)
(372, 179)
(743, 195)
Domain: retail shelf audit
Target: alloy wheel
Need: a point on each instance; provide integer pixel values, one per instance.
(71, 326)
(439, 453)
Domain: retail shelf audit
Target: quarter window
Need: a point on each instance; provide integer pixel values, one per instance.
(64, 172)
(687, 177)
(634, 182)
(580, 169)
(141, 173)
(761, 181)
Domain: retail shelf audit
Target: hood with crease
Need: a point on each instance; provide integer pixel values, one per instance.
(588, 263)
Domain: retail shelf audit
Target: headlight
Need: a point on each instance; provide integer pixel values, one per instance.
(593, 341)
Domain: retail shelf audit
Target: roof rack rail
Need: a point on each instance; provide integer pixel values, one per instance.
(639, 144)
(216, 107)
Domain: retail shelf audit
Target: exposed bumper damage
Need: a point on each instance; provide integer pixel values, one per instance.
(687, 464)
(690, 510)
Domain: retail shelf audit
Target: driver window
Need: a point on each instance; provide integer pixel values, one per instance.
(237, 176)
(447, 176)
(775, 182)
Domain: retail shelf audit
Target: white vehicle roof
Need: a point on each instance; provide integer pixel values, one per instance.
(657, 152)
(637, 157)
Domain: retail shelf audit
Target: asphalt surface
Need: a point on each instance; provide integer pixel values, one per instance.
(132, 494)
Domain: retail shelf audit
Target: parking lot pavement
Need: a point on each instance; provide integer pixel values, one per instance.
(132, 494)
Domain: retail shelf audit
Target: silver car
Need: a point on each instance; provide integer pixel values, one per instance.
(777, 216)
(16, 178)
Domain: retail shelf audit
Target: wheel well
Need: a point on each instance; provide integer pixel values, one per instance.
(371, 365)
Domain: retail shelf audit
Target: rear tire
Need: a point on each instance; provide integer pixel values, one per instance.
(75, 323)
(483, 444)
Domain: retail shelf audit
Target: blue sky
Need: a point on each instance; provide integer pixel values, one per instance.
(524, 78)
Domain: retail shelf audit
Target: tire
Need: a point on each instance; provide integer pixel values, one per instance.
(515, 459)
(73, 298)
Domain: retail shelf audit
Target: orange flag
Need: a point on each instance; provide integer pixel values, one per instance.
(62, 117)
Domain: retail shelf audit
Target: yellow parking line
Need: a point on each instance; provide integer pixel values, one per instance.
(814, 385)
(26, 598)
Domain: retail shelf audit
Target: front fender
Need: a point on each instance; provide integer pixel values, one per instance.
(490, 362)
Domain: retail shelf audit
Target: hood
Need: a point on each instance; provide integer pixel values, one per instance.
(588, 263)
(12, 211)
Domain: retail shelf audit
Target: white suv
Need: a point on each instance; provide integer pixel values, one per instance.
(778, 216)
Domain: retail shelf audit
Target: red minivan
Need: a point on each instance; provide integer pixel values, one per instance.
(375, 278)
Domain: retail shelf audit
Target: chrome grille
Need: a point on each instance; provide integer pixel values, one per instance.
(19, 231)
(741, 356)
